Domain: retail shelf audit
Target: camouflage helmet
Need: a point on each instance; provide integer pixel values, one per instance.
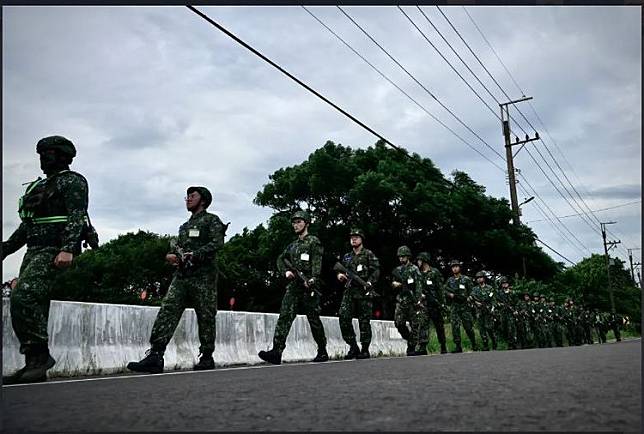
(551, 299)
(301, 215)
(535, 294)
(205, 194)
(357, 231)
(454, 262)
(481, 274)
(424, 256)
(57, 143)
(503, 280)
(403, 251)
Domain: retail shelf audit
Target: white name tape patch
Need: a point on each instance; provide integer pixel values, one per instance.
(304, 256)
(193, 233)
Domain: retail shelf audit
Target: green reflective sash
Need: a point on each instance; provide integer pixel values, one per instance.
(24, 214)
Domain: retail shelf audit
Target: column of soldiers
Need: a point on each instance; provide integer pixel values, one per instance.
(55, 222)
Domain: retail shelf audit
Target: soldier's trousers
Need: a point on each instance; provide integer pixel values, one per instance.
(197, 290)
(425, 315)
(30, 299)
(360, 306)
(601, 334)
(461, 314)
(508, 325)
(616, 331)
(485, 323)
(524, 333)
(557, 334)
(298, 297)
(406, 312)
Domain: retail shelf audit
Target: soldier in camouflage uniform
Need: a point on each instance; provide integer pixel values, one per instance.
(524, 332)
(194, 284)
(406, 279)
(457, 289)
(546, 320)
(54, 223)
(485, 303)
(357, 299)
(598, 325)
(431, 304)
(616, 321)
(536, 320)
(301, 263)
(508, 313)
(557, 322)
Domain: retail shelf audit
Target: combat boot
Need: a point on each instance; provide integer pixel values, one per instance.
(353, 352)
(206, 362)
(273, 356)
(458, 349)
(322, 356)
(152, 363)
(364, 353)
(37, 365)
(411, 349)
(443, 348)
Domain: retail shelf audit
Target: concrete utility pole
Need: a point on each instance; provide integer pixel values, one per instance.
(630, 259)
(607, 246)
(505, 124)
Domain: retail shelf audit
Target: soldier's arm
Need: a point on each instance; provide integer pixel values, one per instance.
(375, 267)
(316, 260)
(280, 262)
(419, 283)
(75, 194)
(440, 286)
(215, 230)
(15, 241)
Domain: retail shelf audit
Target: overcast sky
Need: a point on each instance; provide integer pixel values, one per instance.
(156, 99)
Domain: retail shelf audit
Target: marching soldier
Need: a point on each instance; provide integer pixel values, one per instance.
(406, 278)
(54, 223)
(431, 304)
(484, 301)
(194, 283)
(301, 263)
(509, 313)
(359, 270)
(458, 288)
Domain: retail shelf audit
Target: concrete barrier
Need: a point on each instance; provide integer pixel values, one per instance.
(95, 338)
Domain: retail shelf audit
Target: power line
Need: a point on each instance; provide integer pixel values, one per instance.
(596, 210)
(417, 82)
(297, 80)
(547, 132)
(537, 239)
(399, 88)
(448, 62)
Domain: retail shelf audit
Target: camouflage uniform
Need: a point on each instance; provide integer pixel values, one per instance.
(430, 308)
(558, 315)
(600, 328)
(460, 310)
(407, 302)
(524, 331)
(508, 315)
(306, 256)
(66, 196)
(484, 300)
(196, 286)
(355, 299)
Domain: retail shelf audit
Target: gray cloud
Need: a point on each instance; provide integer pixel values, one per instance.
(157, 100)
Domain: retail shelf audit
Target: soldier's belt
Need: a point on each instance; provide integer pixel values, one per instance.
(53, 219)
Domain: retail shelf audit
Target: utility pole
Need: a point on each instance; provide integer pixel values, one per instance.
(607, 246)
(505, 124)
(630, 259)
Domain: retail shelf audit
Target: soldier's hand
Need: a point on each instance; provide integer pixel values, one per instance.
(171, 258)
(63, 259)
(450, 295)
(290, 275)
(342, 277)
(396, 284)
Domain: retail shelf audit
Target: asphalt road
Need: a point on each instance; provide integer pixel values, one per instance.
(584, 388)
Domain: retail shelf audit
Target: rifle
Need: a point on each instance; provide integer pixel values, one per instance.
(185, 263)
(398, 278)
(339, 268)
(300, 275)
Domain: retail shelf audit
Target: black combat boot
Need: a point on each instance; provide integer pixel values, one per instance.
(443, 347)
(152, 363)
(322, 356)
(353, 351)
(411, 349)
(206, 362)
(273, 356)
(458, 349)
(15, 377)
(38, 362)
(364, 353)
